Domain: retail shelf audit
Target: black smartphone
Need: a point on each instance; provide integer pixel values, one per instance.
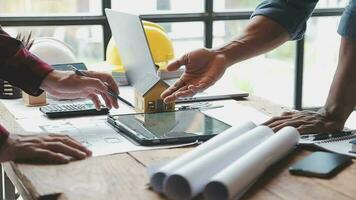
(320, 164)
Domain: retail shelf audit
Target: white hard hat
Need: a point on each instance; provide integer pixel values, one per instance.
(52, 51)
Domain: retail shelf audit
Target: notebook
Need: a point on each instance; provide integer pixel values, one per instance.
(337, 143)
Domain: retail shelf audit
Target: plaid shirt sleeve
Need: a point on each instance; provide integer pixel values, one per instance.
(21, 68)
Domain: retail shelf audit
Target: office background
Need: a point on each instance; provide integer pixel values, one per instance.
(298, 74)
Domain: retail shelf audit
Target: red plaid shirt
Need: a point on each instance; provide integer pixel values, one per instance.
(20, 68)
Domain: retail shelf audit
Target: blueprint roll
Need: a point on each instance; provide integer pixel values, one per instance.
(157, 178)
(189, 180)
(234, 181)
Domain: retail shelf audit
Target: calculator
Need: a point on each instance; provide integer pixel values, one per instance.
(73, 110)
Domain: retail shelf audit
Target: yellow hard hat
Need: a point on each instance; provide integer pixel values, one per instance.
(160, 45)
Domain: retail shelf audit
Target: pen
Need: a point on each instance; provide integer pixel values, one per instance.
(110, 91)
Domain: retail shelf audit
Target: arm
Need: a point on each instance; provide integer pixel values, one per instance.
(273, 23)
(26, 71)
(17, 65)
(341, 99)
(22, 69)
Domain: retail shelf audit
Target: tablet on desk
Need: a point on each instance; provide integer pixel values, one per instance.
(168, 127)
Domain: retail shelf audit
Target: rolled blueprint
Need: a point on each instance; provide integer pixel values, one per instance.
(158, 177)
(188, 181)
(233, 181)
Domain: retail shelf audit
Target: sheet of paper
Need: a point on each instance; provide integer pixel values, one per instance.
(232, 181)
(157, 177)
(189, 180)
(18, 109)
(92, 132)
(235, 114)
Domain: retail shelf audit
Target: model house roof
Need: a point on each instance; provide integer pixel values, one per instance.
(147, 83)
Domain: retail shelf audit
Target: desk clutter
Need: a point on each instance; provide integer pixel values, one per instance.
(224, 167)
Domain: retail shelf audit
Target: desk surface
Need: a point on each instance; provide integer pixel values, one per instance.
(123, 176)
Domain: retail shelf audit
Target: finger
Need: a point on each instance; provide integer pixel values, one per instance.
(306, 129)
(106, 100)
(106, 78)
(94, 98)
(94, 84)
(170, 99)
(110, 83)
(186, 93)
(66, 139)
(275, 119)
(199, 88)
(177, 85)
(178, 63)
(44, 156)
(294, 124)
(180, 92)
(287, 113)
(59, 147)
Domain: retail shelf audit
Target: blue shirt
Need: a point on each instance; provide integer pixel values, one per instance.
(293, 15)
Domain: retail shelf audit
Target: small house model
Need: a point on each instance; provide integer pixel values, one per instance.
(148, 95)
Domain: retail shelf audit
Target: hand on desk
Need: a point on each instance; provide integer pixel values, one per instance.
(203, 68)
(68, 85)
(51, 148)
(306, 122)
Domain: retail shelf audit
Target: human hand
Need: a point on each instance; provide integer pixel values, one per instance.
(203, 67)
(49, 148)
(68, 85)
(306, 122)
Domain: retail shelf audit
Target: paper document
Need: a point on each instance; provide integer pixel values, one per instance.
(92, 132)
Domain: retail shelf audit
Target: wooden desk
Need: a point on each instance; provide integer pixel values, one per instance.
(123, 176)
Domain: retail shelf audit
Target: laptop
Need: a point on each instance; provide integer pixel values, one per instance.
(128, 32)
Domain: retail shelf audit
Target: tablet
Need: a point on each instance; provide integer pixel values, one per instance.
(168, 127)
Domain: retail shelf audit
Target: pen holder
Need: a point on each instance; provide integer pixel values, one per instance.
(8, 91)
(34, 101)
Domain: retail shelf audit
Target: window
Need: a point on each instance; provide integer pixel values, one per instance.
(18, 8)
(285, 75)
(86, 41)
(158, 6)
(321, 55)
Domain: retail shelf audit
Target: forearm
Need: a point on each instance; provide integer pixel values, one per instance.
(19, 66)
(261, 35)
(342, 99)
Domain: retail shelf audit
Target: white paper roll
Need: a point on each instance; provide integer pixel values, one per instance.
(158, 177)
(234, 180)
(188, 181)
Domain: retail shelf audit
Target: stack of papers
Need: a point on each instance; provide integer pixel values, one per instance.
(225, 166)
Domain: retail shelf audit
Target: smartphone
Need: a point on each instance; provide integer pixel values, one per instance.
(320, 164)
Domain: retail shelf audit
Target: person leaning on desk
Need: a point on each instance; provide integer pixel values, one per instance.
(24, 70)
(273, 23)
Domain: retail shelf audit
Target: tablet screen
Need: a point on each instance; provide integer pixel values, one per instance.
(171, 124)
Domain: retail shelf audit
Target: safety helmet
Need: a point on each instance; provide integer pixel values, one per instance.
(160, 45)
(52, 51)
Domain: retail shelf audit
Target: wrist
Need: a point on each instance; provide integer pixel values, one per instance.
(335, 112)
(231, 52)
(6, 152)
(54, 80)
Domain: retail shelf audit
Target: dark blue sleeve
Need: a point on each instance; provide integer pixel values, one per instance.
(291, 14)
(347, 26)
